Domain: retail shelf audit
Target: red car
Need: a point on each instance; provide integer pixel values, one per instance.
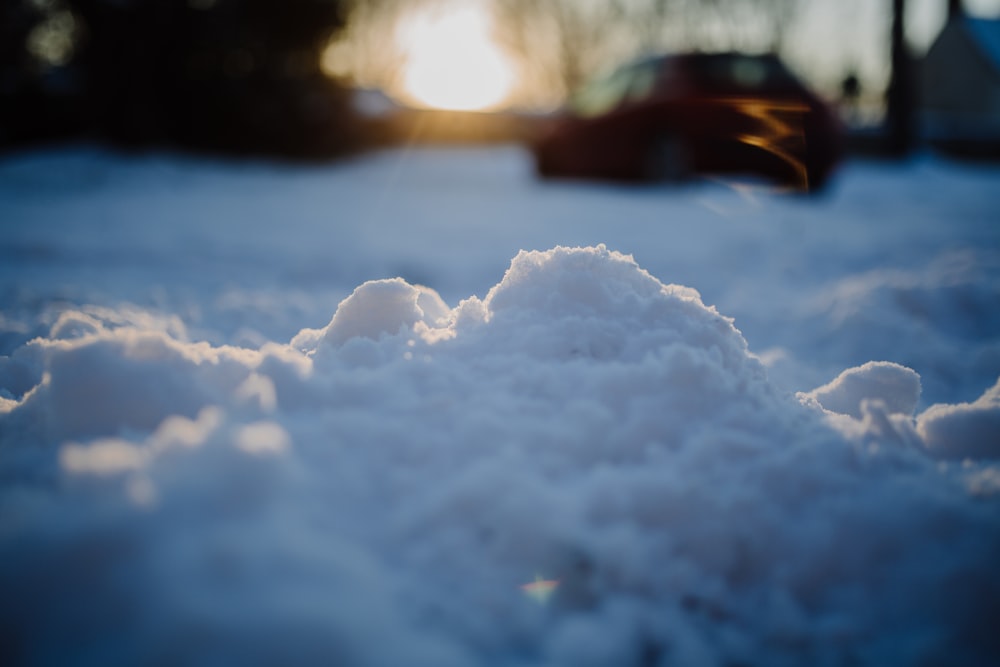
(673, 117)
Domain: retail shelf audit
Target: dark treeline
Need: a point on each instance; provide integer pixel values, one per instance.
(238, 76)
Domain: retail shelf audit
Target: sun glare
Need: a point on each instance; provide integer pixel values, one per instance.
(452, 61)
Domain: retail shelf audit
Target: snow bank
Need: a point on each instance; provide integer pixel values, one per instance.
(966, 430)
(897, 386)
(939, 317)
(878, 400)
(380, 490)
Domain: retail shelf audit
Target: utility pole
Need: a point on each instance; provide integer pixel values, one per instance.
(899, 95)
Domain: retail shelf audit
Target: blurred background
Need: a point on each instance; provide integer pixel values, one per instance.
(320, 78)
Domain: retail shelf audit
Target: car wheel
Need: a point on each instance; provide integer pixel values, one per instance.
(666, 159)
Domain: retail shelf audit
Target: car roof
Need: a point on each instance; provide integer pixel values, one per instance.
(721, 73)
(723, 69)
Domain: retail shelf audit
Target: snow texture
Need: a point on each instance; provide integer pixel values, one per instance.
(966, 430)
(177, 487)
(896, 386)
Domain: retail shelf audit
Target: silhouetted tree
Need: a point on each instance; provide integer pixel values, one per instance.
(39, 84)
(234, 75)
(366, 48)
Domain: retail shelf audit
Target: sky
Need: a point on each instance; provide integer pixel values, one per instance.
(257, 413)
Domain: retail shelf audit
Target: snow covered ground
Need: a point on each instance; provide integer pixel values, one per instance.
(419, 408)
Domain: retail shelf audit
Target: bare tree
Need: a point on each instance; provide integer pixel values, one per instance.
(562, 42)
(367, 49)
(710, 24)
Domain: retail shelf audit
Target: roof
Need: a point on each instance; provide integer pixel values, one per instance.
(986, 35)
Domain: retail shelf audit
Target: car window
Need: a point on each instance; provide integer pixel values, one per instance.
(601, 95)
(743, 72)
(643, 81)
(747, 72)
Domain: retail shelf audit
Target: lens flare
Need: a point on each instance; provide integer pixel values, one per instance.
(541, 589)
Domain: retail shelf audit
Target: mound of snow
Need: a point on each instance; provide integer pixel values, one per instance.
(940, 315)
(964, 431)
(876, 403)
(383, 307)
(896, 386)
(385, 489)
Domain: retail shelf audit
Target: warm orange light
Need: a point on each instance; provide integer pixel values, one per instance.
(780, 130)
(452, 61)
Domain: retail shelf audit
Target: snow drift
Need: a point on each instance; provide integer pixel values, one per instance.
(380, 490)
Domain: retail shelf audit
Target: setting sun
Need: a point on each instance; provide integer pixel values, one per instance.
(452, 61)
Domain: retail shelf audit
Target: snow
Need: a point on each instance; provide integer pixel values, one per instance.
(897, 386)
(965, 430)
(345, 414)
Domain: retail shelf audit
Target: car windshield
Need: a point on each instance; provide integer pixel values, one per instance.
(721, 72)
(743, 72)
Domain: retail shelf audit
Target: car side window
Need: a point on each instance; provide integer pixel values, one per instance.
(601, 95)
(642, 83)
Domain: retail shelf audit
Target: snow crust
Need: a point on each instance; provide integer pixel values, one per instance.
(379, 490)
